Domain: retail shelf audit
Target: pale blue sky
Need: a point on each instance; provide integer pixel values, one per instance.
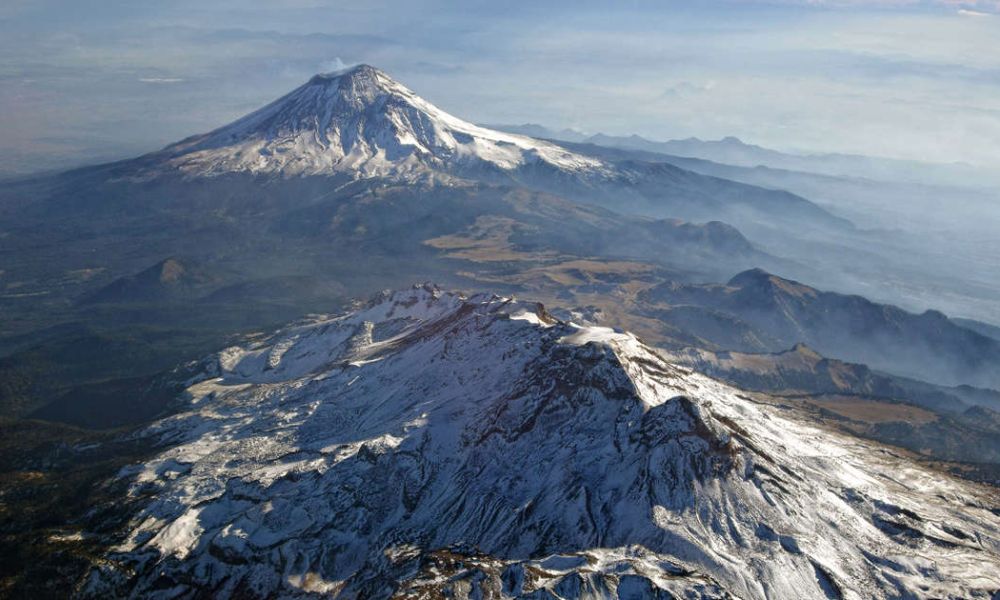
(90, 81)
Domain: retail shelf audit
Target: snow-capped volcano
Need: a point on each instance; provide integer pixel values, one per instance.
(362, 122)
(433, 445)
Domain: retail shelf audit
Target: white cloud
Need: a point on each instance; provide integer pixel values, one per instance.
(332, 65)
(975, 6)
(813, 79)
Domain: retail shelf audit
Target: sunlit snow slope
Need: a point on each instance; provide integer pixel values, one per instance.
(359, 122)
(433, 444)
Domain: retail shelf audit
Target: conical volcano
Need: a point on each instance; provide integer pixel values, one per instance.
(363, 122)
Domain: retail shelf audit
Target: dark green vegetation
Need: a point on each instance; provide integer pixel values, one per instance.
(109, 280)
(51, 475)
(54, 476)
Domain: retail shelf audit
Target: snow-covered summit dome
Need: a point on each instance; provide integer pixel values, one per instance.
(362, 122)
(433, 445)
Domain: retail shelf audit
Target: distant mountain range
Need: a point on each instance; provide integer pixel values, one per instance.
(950, 423)
(542, 132)
(760, 312)
(733, 151)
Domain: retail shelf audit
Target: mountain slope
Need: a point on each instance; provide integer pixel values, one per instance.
(170, 278)
(358, 120)
(901, 229)
(432, 444)
(361, 123)
(91, 250)
(540, 131)
(774, 314)
(733, 151)
(332, 143)
(943, 423)
(246, 193)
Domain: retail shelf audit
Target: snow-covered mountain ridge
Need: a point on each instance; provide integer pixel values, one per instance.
(430, 443)
(361, 122)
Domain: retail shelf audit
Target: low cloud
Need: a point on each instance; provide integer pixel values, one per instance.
(965, 7)
(332, 65)
(689, 88)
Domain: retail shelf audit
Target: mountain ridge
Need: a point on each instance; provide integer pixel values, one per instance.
(733, 151)
(783, 312)
(350, 455)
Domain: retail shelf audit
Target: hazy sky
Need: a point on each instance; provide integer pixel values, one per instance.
(84, 81)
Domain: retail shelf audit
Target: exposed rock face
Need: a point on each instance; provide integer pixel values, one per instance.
(433, 444)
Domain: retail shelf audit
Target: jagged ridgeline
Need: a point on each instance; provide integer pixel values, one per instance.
(434, 445)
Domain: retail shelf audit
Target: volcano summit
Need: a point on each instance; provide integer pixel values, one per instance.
(435, 445)
(361, 121)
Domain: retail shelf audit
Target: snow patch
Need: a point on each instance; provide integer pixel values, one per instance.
(596, 334)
